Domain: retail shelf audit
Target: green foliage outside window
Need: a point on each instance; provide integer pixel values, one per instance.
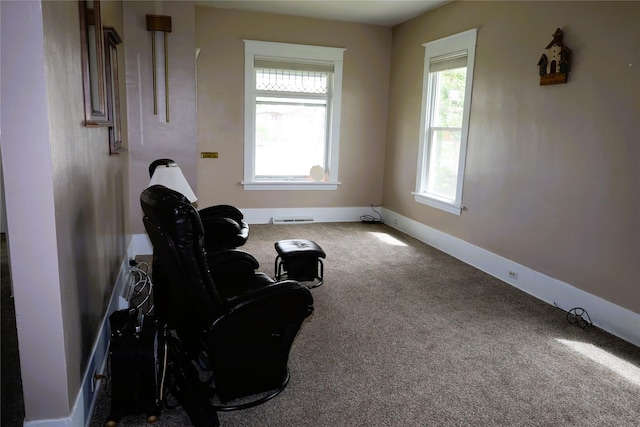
(450, 101)
(445, 143)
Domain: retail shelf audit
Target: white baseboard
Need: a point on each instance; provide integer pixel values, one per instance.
(265, 216)
(86, 400)
(610, 317)
(140, 245)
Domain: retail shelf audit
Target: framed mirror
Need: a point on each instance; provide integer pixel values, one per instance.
(111, 41)
(93, 70)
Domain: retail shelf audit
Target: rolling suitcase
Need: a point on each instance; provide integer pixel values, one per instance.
(137, 368)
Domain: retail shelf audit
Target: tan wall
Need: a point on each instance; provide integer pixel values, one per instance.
(66, 197)
(90, 190)
(150, 137)
(220, 88)
(552, 177)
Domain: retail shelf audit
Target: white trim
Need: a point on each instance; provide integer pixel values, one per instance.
(249, 114)
(606, 315)
(306, 54)
(58, 422)
(334, 120)
(266, 215)
(290, 185)
(454, 44)
(434, 202)
(85, 401)
(451, 44)
(141, 244)
(292, 51)
(290, 220)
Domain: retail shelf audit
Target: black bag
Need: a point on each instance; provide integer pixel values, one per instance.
(137, 365)
(183, 382)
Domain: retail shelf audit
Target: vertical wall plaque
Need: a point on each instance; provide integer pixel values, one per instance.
(160, 23)
(554, 64)
(111, 41)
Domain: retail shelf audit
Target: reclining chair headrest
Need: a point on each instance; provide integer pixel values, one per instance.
(165, 206)
(160, 162)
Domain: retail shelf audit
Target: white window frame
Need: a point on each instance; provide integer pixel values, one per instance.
(291, 53)
(445, 46)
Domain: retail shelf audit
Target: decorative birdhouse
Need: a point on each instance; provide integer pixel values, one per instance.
(554, 64)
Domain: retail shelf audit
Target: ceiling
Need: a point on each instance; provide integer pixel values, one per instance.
(377, 12)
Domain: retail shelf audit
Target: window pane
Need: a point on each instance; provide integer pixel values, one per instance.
(450, 98)
(290, 138)
(443, 163)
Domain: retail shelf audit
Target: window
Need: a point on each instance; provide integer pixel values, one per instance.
(444, 124)
(292, 116)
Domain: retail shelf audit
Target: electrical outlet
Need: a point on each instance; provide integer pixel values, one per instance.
(513, 275)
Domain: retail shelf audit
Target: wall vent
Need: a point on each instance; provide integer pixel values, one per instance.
(292, 220)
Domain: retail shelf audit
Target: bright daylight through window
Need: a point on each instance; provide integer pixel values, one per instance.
(446, 101)
(292, 116)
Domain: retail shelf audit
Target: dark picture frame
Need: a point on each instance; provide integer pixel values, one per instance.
(93, 69)
(112, 40)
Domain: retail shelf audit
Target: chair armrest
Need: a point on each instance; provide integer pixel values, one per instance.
(220, 224)
(224, 233)
(229, 259)
(221, 211)
(233, 288)
(231, 265)
(270, 297)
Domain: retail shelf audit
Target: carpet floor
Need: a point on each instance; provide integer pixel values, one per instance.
(405, 335)
(12, 401)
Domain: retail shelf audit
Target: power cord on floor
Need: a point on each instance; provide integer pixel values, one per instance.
(140, 286)
(370, 219)
(575, 316)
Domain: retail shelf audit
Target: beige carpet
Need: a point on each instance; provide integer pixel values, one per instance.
(405, 335)
(12, 402)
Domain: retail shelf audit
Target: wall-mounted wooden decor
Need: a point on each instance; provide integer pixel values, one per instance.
(111, 41)
(160, 23)
(554, 64)
(93, 75)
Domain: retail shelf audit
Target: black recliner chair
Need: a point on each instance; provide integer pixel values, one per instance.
(225, 227)
(245, 322)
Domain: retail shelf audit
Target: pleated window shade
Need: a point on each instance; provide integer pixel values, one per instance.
(449, 61)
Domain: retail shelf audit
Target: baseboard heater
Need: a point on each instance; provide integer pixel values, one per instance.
(280, 220)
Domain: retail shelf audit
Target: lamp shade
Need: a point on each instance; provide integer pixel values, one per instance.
(171, 177)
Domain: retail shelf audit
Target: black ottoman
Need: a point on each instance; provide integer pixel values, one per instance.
(299, 260)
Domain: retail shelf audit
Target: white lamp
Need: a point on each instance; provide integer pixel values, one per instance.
(171, 177)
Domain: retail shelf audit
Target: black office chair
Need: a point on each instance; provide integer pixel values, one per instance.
(225, 227)
(245, 327)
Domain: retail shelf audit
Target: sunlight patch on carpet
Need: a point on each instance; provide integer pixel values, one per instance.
(386, 238)
(621, 367)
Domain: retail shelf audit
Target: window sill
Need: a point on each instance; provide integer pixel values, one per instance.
(438, 203)
(289, 185)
